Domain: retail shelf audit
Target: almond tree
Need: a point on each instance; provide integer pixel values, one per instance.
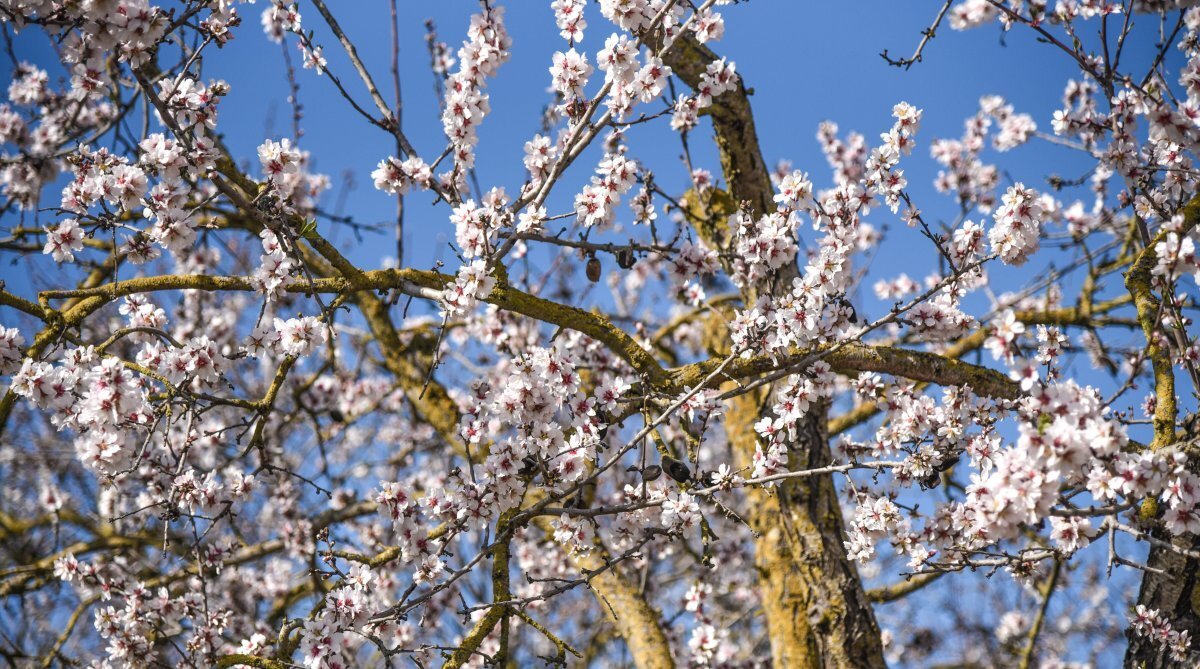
(229, 441)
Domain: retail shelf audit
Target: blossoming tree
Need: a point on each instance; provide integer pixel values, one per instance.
(226, 443)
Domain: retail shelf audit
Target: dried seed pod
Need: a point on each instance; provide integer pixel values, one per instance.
(931, 481)
(651, 473)
(946, 464)
(934, 479)
(1191, 425)
(593, 269)
(853, 315)
(625, 258)
(676, 469)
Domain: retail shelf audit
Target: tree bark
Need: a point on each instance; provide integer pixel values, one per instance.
(817, 614)
(637, 622)
(1175, 593)
(816, 611)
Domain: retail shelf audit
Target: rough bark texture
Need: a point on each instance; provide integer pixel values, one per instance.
(741, 159)
(1174, 591)
(816, 611)
(1176, 595)
(638, 623)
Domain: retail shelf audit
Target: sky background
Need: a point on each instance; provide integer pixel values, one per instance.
(806, 62)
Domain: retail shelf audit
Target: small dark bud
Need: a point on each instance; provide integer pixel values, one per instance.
(651, 473)
(676, 469)
(528, 466)
(337, 415)
(593, 269)
(576, 108)
(625, 258)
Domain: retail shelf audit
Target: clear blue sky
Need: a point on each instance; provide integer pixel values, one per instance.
(806, 62)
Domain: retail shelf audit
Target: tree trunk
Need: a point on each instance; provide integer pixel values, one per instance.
(1175, 593)
(816, 611)
(637, 622)
(1173, 590)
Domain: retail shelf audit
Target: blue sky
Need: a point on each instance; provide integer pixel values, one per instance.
(806, 62)
(798, 57)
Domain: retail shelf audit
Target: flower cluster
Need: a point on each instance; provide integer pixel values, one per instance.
(394, 176)
(1018, 228)
(285, 167)
(719, 76)
(540, 153)
(10, 350)
(568, 15)
(471, 284)
(814, 308)
(100, 176)
(596, 204)
(569, 74)
(1151, 624)
(465, 104)
(1175, 255)
(97, 397)
(296, 337)
(793, 402)
(693, 260)
(64, 240)
(276, 268)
